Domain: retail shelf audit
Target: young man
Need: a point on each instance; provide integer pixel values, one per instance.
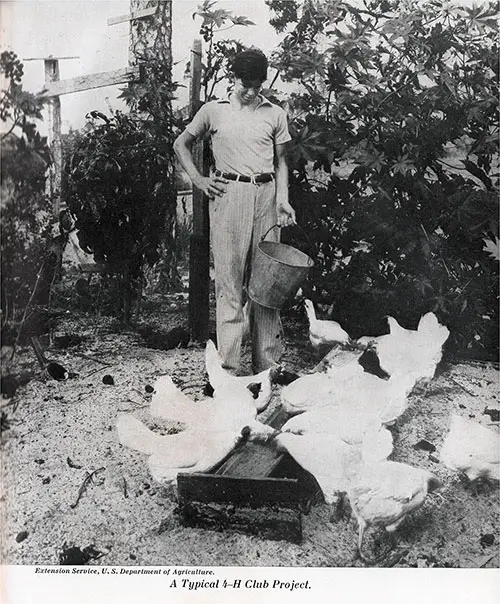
(248, 194)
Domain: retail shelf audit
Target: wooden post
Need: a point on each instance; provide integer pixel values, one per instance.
(54, 137)
(53, 184)
(199, 251)
(88, 82)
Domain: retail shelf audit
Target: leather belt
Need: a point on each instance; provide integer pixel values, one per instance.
(254, 179)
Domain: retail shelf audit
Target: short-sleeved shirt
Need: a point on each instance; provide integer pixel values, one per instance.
(242, 141)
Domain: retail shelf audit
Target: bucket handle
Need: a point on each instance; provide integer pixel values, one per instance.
(279, 227)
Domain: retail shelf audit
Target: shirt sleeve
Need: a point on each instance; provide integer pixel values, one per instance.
(200, 124)
(281, 134)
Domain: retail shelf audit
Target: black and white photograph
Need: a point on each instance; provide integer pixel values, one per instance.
(249, 301)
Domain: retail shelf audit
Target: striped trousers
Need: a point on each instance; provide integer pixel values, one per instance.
(238, 220)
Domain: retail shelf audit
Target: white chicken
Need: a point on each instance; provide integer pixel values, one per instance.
(408, 356)
(350, 425)
(332, 460)
(308, 392)
(232, 405)
(351, 388)
(472, 449)
(411, 352)
(193, 450)
(338, 431)
(212, 430)
(380, 492)
(324, 333)
(170, 403)
(337, 386)
(323, 455)
(220, 377)
(384, 493)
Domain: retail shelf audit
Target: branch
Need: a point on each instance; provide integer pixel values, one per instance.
(26, 308)
(5, 318)
(5, 93)
(328, 105)
(209, 57)
(6, 134)
(365, 11)
(216, 80)
(17, 116)
(441, 161)
(275, 78)
(226, 28)
(396, 90)
(86, 481)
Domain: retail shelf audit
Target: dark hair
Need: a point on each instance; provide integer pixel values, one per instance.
(250, 65)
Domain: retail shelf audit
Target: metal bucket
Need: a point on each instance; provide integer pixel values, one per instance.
(278, 271)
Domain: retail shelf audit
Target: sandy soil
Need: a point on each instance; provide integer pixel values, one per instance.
(54, 434)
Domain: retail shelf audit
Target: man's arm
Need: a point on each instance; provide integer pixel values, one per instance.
(211, 186)
(285, 212)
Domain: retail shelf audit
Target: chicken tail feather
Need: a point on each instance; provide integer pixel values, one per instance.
(133, 434)
(310, 312)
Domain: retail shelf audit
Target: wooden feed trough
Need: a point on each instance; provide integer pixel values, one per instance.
(255, 489)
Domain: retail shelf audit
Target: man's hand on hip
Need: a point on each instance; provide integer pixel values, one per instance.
(212, 186)
(286, 214)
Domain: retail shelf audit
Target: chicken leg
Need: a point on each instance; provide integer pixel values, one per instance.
(374, 561)
(337, 508)
(361, 532)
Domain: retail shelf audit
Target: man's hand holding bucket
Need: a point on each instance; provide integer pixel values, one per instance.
(285, 214)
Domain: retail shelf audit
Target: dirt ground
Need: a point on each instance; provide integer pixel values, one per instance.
(54, 434)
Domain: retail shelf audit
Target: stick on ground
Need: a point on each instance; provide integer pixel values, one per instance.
(86, 481)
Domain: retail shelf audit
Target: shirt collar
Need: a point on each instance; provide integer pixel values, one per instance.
(262, 101)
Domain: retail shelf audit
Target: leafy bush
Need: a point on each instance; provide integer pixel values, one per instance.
(394, 161)
(121, 185)
(26, 210)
